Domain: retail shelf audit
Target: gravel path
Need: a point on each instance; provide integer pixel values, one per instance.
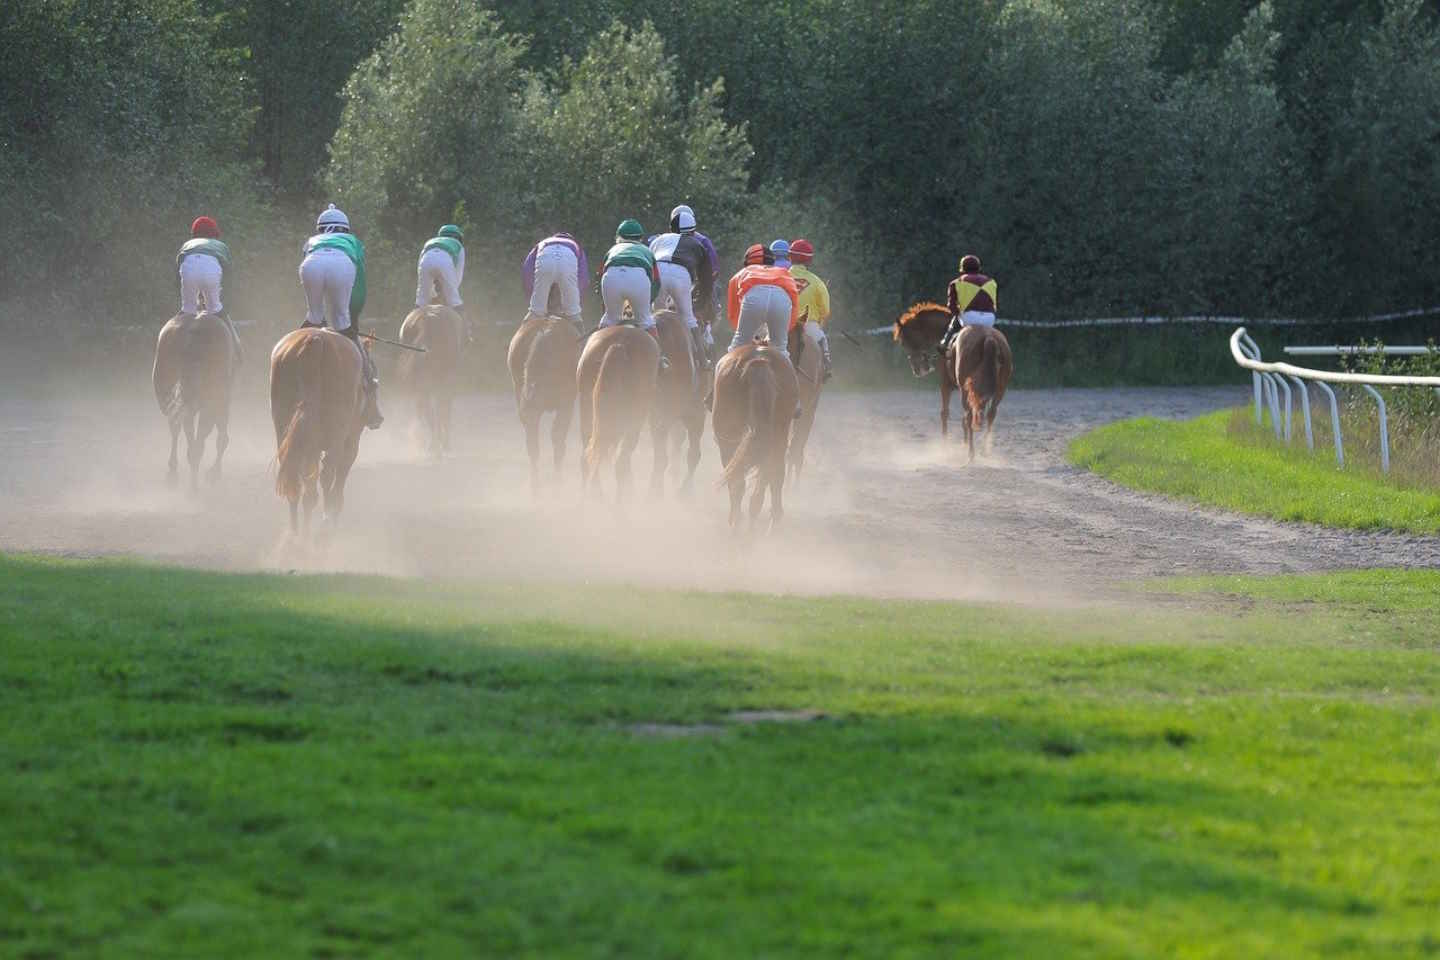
(885, 508)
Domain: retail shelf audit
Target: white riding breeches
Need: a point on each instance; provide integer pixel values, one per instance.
(555, 266)
(817, 333)
(764, 306)
(200, 275)
(620, 284)
(675, 281)
(328, 277)
(437, 277)
(977, 318)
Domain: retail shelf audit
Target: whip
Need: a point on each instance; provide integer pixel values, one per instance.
(394, 343)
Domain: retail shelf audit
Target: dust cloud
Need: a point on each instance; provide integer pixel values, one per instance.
(885, 507)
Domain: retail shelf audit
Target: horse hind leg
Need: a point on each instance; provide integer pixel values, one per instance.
(222, 441)
(195, 445)
(173, 474)
(623, 473)
(560, 433)
(660, 437)
(531, 423)
(694, 428)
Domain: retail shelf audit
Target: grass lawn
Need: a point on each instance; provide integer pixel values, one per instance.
(1220, 460)
(211, 765)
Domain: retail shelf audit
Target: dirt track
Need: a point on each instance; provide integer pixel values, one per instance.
(885, 508)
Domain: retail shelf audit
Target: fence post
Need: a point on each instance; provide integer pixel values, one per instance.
(1384, 432)
(1305, 407)
(1334, 422)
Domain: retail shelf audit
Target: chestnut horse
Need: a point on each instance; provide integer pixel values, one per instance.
(616, 382)
(317, 405)
(679, 402)
(543, 356)
(433, 377)
(755, 395)
(194, 368)
(978, 364)
(805, 351)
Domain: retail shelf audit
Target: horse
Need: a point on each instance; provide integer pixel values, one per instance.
(433, 376)
(755, 394)
(805, 350)
(978, 364)
(317, 404)
(616, 381)
(543, 357)
(679, 401)
(194, 369)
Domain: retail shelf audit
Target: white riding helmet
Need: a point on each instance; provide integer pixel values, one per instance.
(682, 218)
(332, 220)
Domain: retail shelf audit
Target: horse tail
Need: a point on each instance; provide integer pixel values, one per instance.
(301, 441)
(981, 383)
(605, 409)
(762, 392)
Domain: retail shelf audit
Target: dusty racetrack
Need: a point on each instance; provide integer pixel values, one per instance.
(886, 508)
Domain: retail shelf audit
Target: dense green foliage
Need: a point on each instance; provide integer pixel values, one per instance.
(1103, 156)
(1223, 459)
(251, 766)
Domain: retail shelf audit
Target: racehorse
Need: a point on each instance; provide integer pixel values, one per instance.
(317, 405)
(755, 394)
(978, 364)
(194, 368)
(433, 376)
(543, 357)
(805, 350)
(616, 382)
(679, 401)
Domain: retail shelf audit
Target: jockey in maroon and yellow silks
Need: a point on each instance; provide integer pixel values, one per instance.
(971, 298)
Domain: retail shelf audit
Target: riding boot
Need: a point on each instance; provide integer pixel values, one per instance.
(710, 399)
(825, 368)
(664, 360)
(369, 381)
(950, 333)
(697, 340)
(234, 336)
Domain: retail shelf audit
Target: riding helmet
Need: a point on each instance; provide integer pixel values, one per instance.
(205, 227)
(332, 220)
(780, 249)
(969, 263)
(682, 218)
(450, 230)
(801, 251)
(630, 230)
(754, 255)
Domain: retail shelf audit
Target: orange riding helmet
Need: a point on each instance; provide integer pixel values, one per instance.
(755, 255)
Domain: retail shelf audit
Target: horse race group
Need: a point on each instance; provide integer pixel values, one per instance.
(640, 365)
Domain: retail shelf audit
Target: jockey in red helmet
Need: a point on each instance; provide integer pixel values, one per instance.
(814, 299)
(201, 264)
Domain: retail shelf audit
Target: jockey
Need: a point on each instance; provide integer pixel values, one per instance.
(556, 261)
(780, 253)
(631, 274)
(201, 263)
(814, 300)
(762, 296)
(333, 275)
(441, 269)
(972, 298)
(684, 265)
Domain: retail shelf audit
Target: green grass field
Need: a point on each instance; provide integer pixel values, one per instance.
(210, 765)
(1221, 460)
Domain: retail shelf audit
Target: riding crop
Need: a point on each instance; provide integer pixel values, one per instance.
(394, 343)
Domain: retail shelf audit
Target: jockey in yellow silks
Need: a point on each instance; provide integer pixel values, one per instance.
(814, 300)
(972, 299)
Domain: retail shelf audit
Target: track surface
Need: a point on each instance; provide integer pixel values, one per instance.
(886, 508)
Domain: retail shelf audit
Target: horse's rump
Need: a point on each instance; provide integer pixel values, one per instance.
(981, 359)
(677, 386)
(547, 374)
(315, 402)
(618, 367)
(755, 391)
(439, 330)
(193, 362)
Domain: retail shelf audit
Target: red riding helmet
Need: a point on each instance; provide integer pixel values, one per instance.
(755, 255)
(802, 251)
(205, 227)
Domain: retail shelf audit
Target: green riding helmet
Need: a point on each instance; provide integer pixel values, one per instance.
(450, 230)
(630, 230)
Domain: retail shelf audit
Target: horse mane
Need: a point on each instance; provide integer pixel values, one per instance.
(924, 306)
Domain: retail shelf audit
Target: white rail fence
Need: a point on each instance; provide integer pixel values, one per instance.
(1270, 380)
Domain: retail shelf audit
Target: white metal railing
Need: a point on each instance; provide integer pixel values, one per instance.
(1270, 378)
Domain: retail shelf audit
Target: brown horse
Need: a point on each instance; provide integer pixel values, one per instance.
(679, 402)
(755, 395)
(433, 377)
(543, 356)
(805, 351)
(978, 364)
(616, 382)
(194, 368)
(317, 405)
